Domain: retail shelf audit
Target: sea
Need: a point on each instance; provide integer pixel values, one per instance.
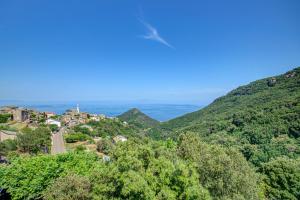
(160, 112)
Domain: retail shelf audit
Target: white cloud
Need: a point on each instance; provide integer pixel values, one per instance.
(152, 34)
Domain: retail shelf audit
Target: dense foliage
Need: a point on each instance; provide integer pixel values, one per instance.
(28, 177)
(111, 127)
(261, 119)
(71, 186)
(5, 117)
(7, 146)
(147, 171)
(223, 171)
(34, 141)
(76, 137)
(139, 119)
(282, 178)
(53, 127)
(104, 146)
(138, 169)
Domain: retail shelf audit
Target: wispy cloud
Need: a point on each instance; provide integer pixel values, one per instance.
(152, 34)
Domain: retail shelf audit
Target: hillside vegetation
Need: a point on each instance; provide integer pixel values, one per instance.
(244, 146)
(262, 119)
(139, 119)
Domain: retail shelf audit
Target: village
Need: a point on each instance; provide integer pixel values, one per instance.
(62, 128)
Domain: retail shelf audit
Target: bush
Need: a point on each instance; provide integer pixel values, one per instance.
(53, 127)
(146, 171)
(83, 130)
(282, 178)
(70, 187)
(27, 177)
(223, 171)
(104, 146)
(80, 148)
(5, 117)
(6, 146)
(34, 141)
(76, 137)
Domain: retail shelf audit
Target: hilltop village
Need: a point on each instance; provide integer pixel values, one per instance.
(70, 131)
(32, 117)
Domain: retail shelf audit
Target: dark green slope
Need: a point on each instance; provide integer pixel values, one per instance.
(139, 119)
(263, 116)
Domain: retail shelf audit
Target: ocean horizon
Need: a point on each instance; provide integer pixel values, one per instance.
(158, 111)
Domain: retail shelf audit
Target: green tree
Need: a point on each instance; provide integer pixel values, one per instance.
(5, 117)
(34, 141)
(282, 178)
(6, 146)
(223, 171)
(83, 130)
(146, 171)
(27, 177)
(104, 146)
(69, 187)
(76, 137)
(53, 127)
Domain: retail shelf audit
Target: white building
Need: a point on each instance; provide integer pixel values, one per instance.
(52, 121)
(49, 114)
(119, 138)
(94, 117)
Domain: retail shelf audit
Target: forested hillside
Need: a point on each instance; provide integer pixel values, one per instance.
(139, 119)
(262, 119)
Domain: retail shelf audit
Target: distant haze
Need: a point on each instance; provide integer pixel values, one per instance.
(161, 112)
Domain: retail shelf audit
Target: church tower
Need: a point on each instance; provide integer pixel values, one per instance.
(78, 108)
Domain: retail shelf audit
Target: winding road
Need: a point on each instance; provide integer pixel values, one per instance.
(58, 145)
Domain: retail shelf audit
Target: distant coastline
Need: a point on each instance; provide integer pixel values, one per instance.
(160, 112)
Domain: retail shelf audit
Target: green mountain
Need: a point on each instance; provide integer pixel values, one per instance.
(262, 119)
(136, 117)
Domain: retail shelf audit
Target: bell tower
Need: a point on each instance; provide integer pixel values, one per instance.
(78, 108)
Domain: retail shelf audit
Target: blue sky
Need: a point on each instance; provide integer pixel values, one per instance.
(170, 51)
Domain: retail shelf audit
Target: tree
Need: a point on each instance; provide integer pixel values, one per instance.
(282, 178)
(5, 117)
(83, 130)
(27, 177)
(34, 141)
(69, 187)
(145, 171)
(223, 171)
(76, 137)
(53, 127)
(104, 146)
(6, 146)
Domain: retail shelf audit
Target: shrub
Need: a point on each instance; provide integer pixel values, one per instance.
(83, 130)
(5, 117)
(27, 177)
(223, 171)
(146, 171)
(76, 137)
(282, 178)
(70, 187)
(34, 141)
(6, 146)
(80, 148)
(104, 146)
(53, 127)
